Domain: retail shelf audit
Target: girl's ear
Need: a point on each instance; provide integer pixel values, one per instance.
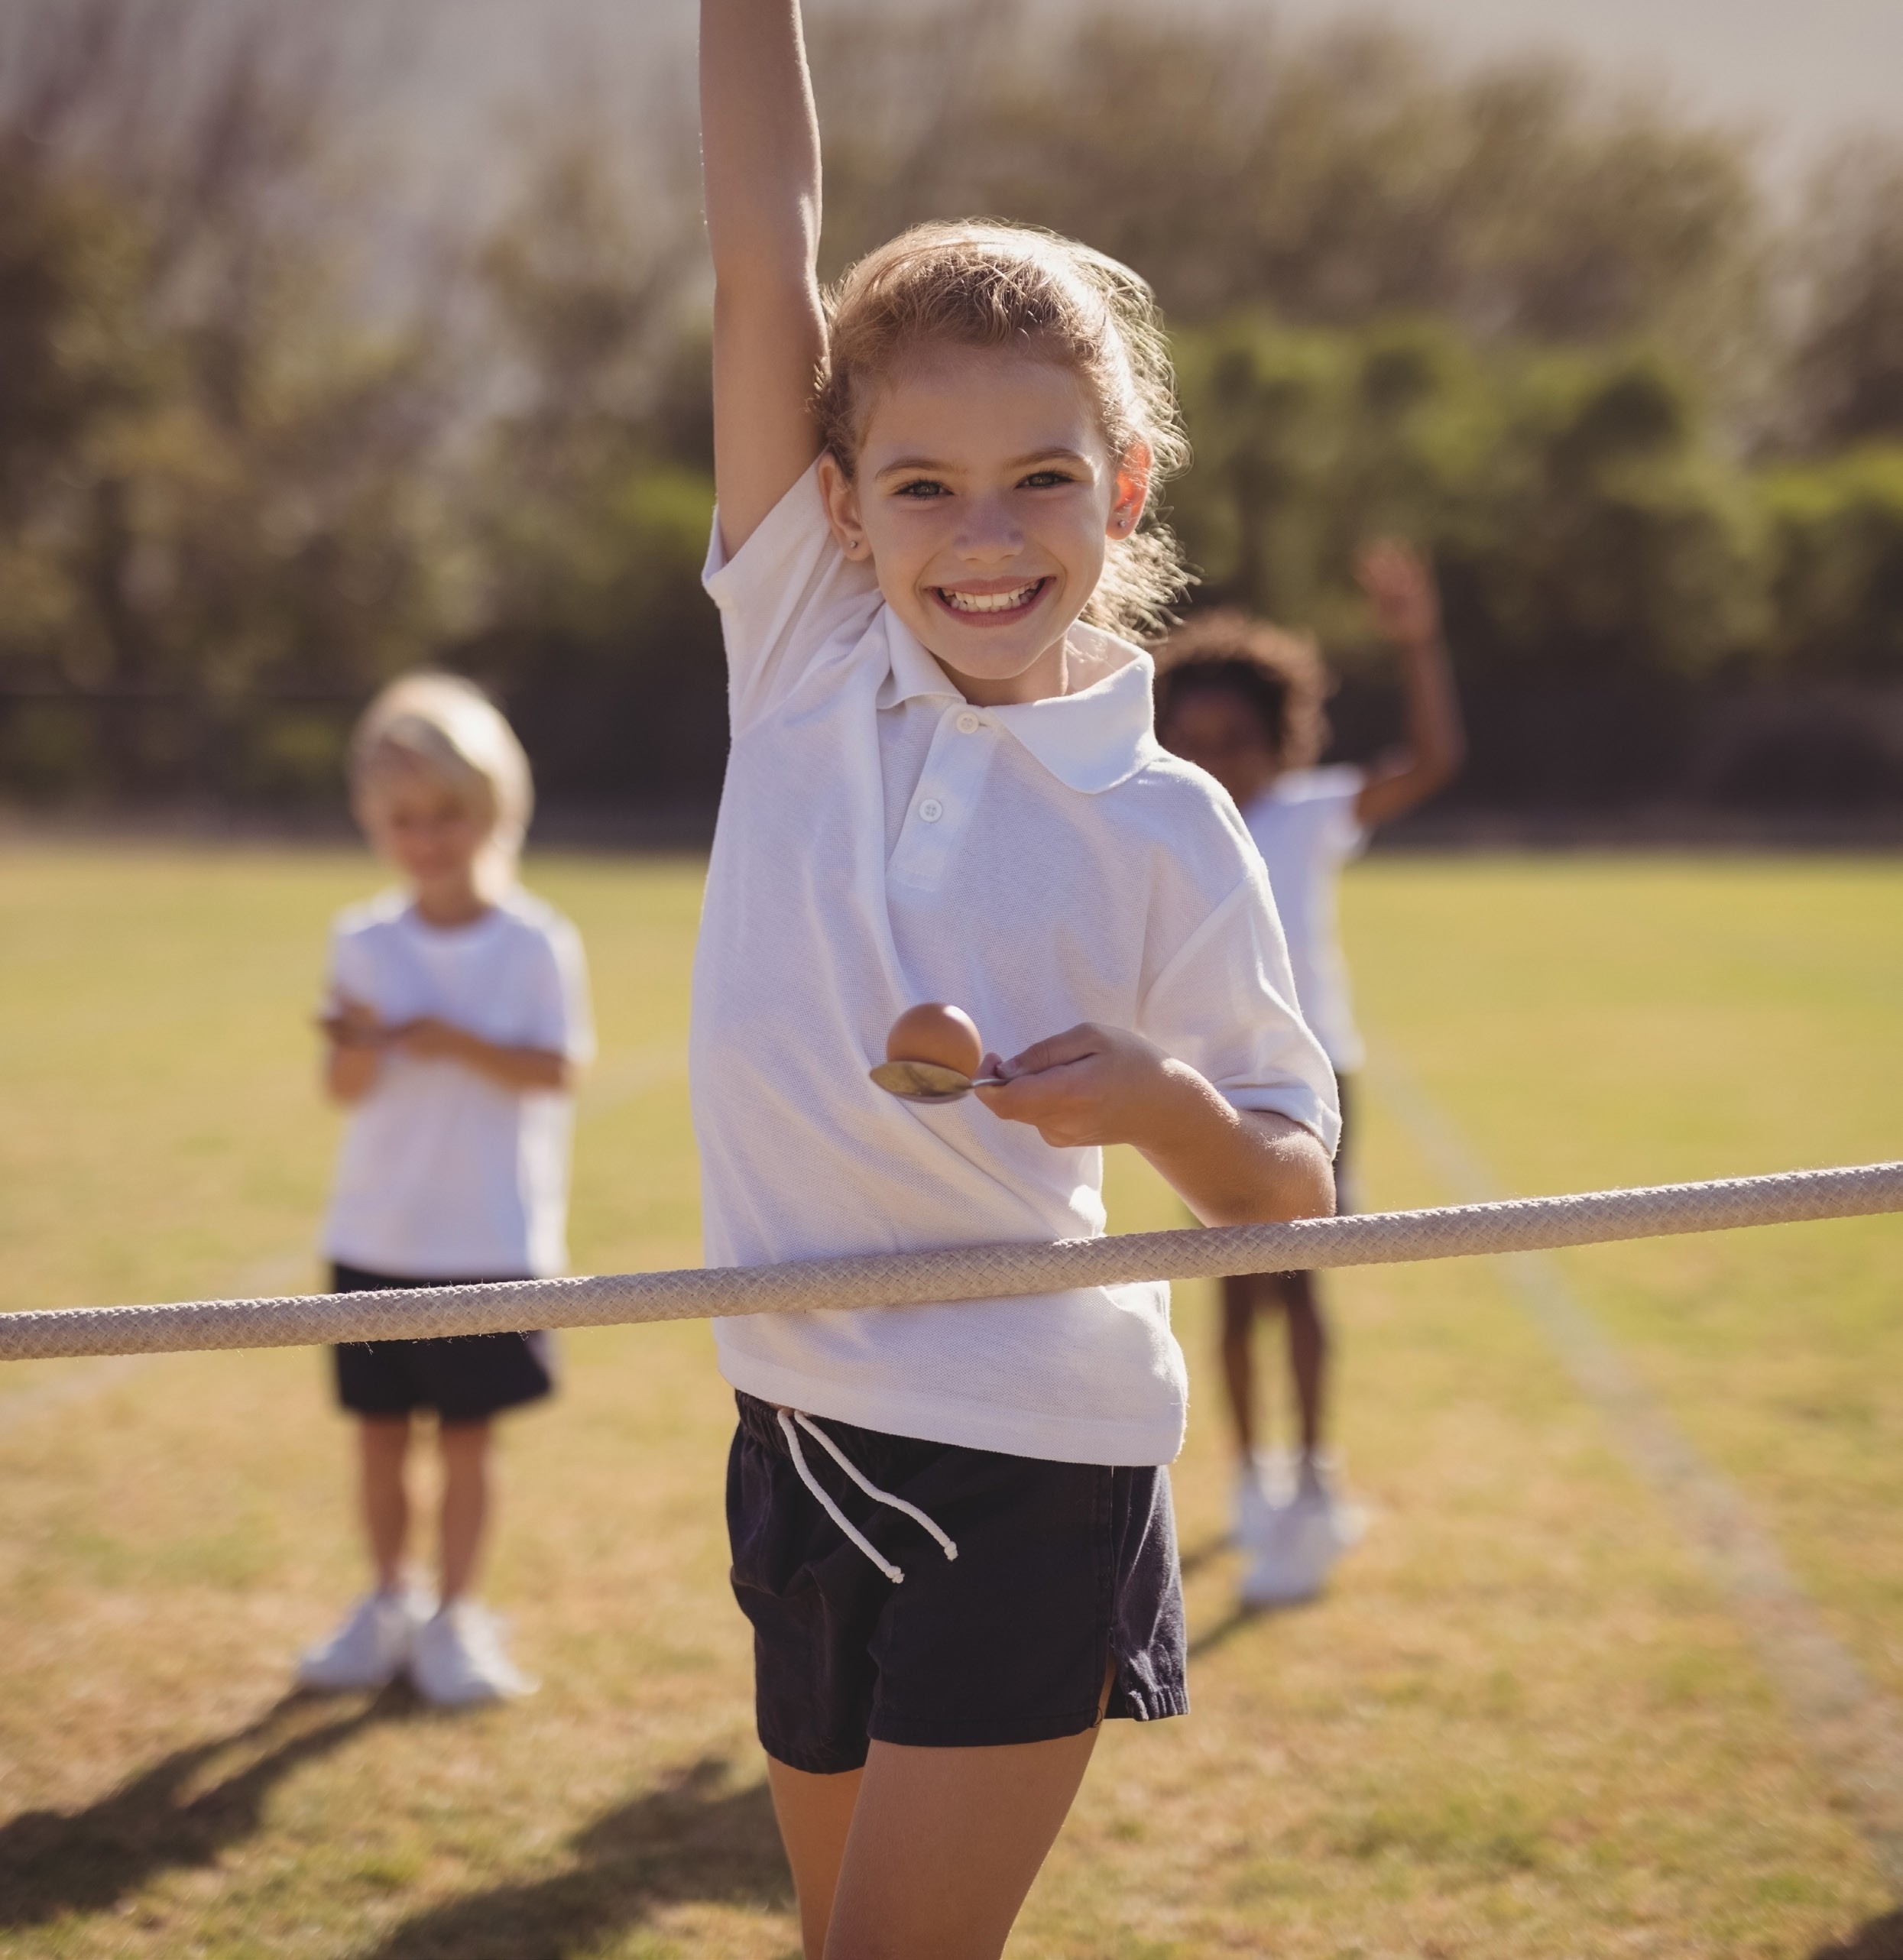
(1133, 491)
(841, 496)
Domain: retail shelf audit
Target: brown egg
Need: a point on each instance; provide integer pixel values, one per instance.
(934, 1032)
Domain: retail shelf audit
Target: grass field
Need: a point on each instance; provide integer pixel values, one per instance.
(1524, 1724)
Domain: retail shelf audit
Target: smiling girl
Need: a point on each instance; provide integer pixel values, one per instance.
(951, 1523)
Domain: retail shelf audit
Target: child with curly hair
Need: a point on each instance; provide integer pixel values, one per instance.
(1244, 700)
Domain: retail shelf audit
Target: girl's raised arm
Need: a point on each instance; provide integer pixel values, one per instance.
(760, 147)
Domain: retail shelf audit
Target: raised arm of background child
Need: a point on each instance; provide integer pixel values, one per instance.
(1400, 588)
(760, 147)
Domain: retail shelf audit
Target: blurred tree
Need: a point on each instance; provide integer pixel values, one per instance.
(1583, 519)
(245, 472)
(1613, 538)
(1338, 176)
(1310, 442)
(1837, 567)
(587, 505)
(1846, 383)
(215, 496)
(1599, 559)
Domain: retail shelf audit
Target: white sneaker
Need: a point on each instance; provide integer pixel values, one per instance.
(1309, 1533)
(458, 1660)
(1262, 1488)
(371, 1647)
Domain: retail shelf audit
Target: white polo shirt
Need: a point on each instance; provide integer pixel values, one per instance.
(1305, 827)
(443, 1174)
(881, 842)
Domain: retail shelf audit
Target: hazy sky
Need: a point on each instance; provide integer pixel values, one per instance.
(1805, 70)
(1802, 71)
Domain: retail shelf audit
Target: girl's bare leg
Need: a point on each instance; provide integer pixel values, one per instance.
(815, 1814)
(466, 1495)
(945, 1844)
(383, 1445)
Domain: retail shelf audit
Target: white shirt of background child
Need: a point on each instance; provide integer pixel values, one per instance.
(1305, 827)
(881, 842)
(443, 1173)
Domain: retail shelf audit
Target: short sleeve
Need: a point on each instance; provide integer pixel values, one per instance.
(1344, 837)
(1225, 1003)
(787, 592)
(560, 1016)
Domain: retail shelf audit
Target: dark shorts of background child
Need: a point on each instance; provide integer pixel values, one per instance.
(464, 1378)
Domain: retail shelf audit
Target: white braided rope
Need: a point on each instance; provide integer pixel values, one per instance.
(959, 1272)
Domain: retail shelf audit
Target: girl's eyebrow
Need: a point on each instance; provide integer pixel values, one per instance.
(1059, 454)
(929, 466)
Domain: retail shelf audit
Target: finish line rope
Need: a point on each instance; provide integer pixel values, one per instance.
(959, 1272)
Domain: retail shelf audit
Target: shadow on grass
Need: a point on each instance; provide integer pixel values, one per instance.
(1240, 1616)
(1222, 1631)
(695, 1839)
(1881, 1940)
(54, 1862)
(1195, 1557)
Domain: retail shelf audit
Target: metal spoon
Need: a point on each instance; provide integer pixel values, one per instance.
(929, 1081)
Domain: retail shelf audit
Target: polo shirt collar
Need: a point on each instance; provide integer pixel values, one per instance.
(1089, 741)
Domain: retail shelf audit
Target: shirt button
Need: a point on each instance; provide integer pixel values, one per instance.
(968, 724)
(931, 809)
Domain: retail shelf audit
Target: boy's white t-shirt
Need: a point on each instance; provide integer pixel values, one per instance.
(1305, 827)
(443, 1173)
(883, 842)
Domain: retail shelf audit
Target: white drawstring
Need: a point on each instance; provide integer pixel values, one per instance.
(787, 1418)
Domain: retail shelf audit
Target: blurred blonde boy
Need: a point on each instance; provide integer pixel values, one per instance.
(456, 1018)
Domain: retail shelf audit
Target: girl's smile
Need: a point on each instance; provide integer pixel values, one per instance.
(992, 604)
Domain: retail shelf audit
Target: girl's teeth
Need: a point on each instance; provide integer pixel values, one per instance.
(989, 602)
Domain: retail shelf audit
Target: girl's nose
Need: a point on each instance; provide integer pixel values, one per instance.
(989, 532)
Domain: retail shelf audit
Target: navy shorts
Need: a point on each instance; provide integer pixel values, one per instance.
(1065, 1571)
(465, 1378)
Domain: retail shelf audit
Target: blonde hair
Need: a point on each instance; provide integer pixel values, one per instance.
(982, 284)
(448, 728)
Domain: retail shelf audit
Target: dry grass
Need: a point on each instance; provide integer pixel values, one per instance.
(1523, 1725)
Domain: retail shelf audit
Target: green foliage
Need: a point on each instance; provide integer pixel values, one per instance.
(1583, 520)
(596, 631)
(212, 495)
(1612, 540)
(1507, 313)
(1338, 176)
(1836, 566)
(587, 512)
(1846, 379)
(72, 348)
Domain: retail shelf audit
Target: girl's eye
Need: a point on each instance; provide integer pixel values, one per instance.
(923, 486)
(1044, 479)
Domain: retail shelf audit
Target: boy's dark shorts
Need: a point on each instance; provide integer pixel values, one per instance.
(1065, 1571)
(465, 1378)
